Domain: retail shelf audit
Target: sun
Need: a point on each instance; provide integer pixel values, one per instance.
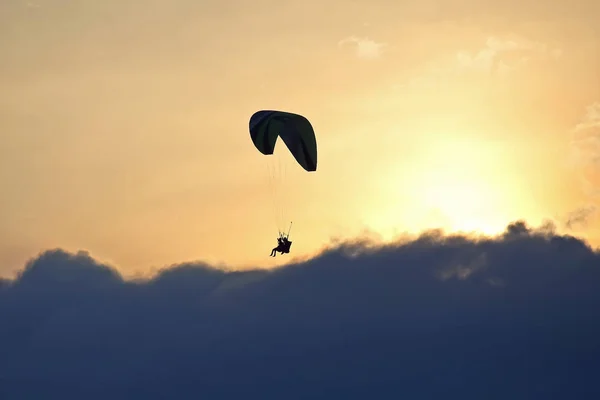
(463, 182)
(452, 198)
(464, 186)
(461, 203)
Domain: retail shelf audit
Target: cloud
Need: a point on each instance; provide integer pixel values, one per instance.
(514, 316)
(590, 122)
(364, 47)
(500, 56)
(584, 153)
(580, 217)
(503, 55)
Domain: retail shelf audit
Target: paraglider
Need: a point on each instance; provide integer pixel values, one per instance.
(283, 244)
(297, 134)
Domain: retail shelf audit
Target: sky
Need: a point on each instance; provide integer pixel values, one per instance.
(438, 316)
(446, 247)
(124, 124)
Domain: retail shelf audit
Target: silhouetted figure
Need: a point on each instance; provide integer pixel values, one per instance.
(283, 246)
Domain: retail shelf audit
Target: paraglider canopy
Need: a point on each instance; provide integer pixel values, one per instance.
(295, 130)
(297, 133)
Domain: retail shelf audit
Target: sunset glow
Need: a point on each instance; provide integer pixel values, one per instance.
(124, 126)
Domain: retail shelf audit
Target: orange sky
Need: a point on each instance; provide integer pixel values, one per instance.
(124, 124)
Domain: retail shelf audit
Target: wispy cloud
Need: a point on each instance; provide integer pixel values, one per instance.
(590, 120)
(580, 217)
(503, 55)
(498, 57)
(364, 47)
(584, 154)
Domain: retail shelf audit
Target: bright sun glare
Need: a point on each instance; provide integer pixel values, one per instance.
(458, 185)
(461, 181)
(464, 204)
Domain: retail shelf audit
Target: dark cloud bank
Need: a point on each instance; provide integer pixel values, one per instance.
(439, 317)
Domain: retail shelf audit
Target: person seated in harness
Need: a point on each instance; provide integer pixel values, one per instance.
(283, 246)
